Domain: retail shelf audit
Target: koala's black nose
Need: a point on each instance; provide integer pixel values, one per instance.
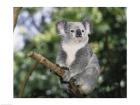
(78, 33)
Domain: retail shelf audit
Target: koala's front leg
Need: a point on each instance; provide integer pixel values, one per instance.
(66, 76)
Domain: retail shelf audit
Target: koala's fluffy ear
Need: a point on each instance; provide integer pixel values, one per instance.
(87, 25)
(60, 26)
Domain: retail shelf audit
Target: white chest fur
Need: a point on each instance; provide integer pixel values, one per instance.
(71, 50)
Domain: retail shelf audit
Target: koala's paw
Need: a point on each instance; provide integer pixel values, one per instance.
(76, 80)
(66, 77)
(65, 68)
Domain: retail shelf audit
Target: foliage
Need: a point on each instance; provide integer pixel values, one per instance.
(35, 30)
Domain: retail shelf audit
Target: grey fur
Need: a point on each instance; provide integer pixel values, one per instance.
(84, 69)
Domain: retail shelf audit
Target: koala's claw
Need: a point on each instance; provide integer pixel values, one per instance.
(65, 68)
(75, 81)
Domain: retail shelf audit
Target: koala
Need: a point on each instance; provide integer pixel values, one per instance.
(75, 55)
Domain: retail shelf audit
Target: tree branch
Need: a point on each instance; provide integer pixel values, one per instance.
(55, 68)
(23, 83)
(41, 59)
(15, 15)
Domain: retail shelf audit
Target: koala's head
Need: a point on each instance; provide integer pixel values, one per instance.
(74, 31)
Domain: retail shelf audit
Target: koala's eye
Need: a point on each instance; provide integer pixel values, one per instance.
(71, 30)
(82, 30)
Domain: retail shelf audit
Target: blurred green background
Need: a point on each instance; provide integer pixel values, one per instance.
(35, 31)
